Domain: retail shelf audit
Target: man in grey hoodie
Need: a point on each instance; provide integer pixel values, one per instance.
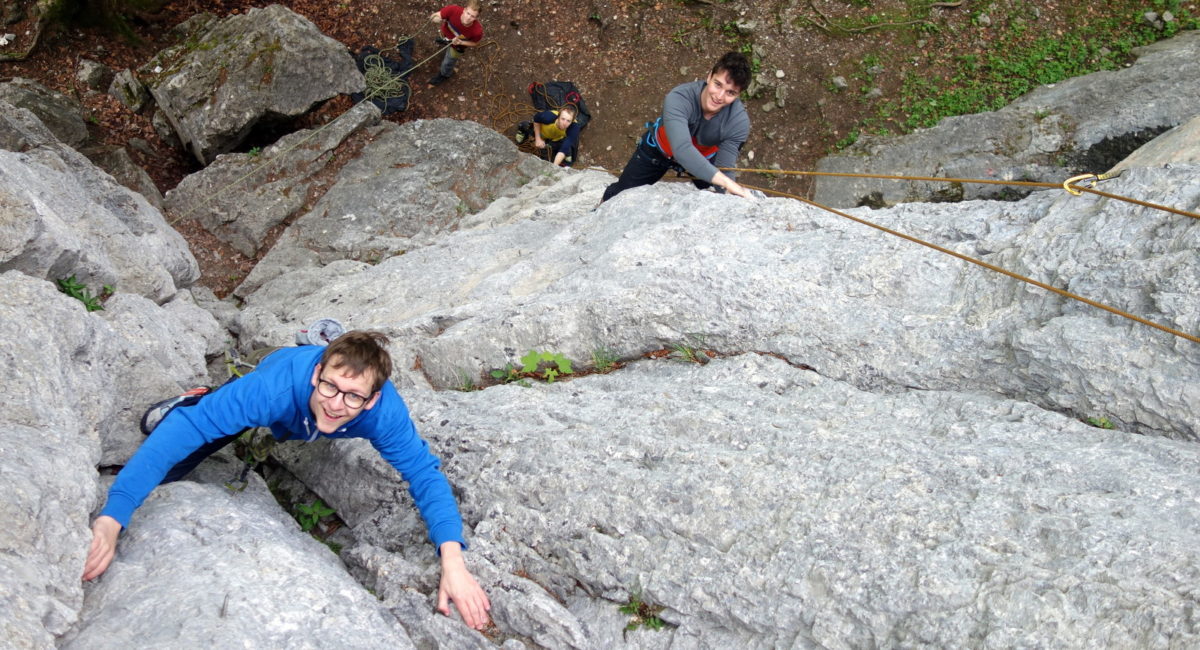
(703, 126)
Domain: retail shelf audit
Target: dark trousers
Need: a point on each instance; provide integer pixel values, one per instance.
(646, 167)
(185, 466)
(555, 146)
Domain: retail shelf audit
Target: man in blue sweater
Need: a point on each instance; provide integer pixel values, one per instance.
(703, 127)
(307, 392)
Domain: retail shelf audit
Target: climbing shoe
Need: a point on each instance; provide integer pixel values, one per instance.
(158, 411)
(437, 79)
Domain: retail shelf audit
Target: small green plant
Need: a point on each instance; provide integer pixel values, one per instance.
(80, 292)
(310, 514)
(466, 383)
(550, 365)
(847, 140)
(509, 375)
(254, 152)
(1100, 422)
(604, 359)
(690, 350)
(642, 614)
(333, 546)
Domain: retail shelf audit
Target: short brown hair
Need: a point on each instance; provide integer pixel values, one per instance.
(737, 66)
(359, 351)
(473, 4)
(569, 108)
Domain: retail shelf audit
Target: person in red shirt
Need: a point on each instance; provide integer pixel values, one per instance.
(461, 27)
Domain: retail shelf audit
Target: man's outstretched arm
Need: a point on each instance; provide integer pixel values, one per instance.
(460, 586)
(104, 546)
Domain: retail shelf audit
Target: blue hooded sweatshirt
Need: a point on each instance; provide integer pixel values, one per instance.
(276, 395)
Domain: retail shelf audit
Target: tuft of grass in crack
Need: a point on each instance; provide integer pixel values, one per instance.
(642, 614)
(604, 359)
(1100, 422)
(466, 383)
(691, 349)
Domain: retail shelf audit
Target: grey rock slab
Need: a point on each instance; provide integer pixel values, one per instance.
(62, 216)
(927, 518)
(262, 67)
(1084, 124)
(669, 265)
(408, 185)
(56, 366)
(237, 571)
(174, 339)
(76, 384)
(408, 589)
(241, 197)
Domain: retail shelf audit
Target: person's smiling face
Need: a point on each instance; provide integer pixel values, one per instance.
(338, 396)
(718, 92)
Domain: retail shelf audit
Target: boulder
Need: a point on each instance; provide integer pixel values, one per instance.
(407, 186)
(257, 69)
(60, 114)
(1081, 125)
(116, 161)
(95, 76)
(130, 92)
(66, 218)
(241, 197)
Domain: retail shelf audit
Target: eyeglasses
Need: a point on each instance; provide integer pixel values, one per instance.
(330, 389)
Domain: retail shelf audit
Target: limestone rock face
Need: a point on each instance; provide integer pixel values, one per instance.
(818, 435)
(117, 162)
(261, 67)
(672, 266)
(863, 517)
(1082, 125)
(884, 442)
(62, 217)
(77, 382)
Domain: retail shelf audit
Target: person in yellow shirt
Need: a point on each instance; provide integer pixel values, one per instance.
(557, 130)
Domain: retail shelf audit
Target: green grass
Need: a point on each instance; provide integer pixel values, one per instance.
(1015, 64)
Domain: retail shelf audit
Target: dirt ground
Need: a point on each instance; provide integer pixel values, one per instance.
(623, 54)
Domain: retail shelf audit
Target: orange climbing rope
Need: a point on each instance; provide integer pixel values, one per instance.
(1072, 185)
